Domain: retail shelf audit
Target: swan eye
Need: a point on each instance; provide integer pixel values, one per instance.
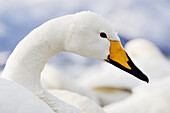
(103, 35)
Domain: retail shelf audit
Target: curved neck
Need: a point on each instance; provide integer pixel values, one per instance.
(27, 61)
(25, 64)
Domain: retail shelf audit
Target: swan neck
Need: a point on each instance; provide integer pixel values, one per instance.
(27, 61)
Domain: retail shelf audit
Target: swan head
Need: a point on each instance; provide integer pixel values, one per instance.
(90, 35)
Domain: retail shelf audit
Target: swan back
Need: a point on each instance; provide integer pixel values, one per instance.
(17, 99)
(81, 102)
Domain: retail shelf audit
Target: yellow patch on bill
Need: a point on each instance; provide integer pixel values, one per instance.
(118, 54)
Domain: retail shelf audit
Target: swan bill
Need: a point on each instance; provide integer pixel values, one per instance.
(119, 58)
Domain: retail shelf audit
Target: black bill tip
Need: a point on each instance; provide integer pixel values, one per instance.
(134, 70)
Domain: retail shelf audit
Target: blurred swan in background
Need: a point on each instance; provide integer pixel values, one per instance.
(109, 84)
(152, 98)
(149, 58)
(84, 33)
(142, 48)
(54, 78)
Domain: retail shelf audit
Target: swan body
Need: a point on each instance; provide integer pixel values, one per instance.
(81, 102)
(15, 98)
(85, 33)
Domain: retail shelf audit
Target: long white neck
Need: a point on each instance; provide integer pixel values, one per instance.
(25, 64)
(27, 61)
